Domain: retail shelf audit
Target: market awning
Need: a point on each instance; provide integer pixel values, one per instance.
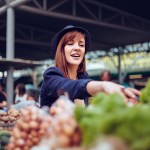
(18, 64)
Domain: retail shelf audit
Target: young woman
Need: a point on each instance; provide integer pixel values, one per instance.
(69, 74)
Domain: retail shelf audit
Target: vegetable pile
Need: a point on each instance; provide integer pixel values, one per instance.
(145, 94)
(8, 119)
(30, 129)
(107, 122)
(4, 138)
(57, 129)
(64, 128)
(109, 115)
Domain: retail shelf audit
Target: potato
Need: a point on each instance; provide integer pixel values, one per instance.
(11, 118)
(17, 148)
(11, 146)
(13, 123)
(16, 133)
(29, 143)
(34, 133)
(26, 148)
(5, 118)
(11, 110)
(33, 125)
(3, 113)
(68, 130)
(23, 125)
(35, 140)
(20, 142)
(30, 128)
(64, 141)
(41, 132)
(15, 113)
(2, 123)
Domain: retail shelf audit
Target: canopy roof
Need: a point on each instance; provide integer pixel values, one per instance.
(111, 24)
(18, 64)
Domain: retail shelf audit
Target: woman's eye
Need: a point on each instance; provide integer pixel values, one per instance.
(82, 45)
(69, 43)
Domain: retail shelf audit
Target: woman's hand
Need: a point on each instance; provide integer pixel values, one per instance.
(130, 94)
(111, 87)
(107, 87)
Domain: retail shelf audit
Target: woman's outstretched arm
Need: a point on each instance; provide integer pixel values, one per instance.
(94, 87)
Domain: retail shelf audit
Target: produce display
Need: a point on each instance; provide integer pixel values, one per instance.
(145, 94)
(108, 116)
(8, 119)
(4, 138)
(30, 129)
(64, 126)
(107, 123)
(63, 132)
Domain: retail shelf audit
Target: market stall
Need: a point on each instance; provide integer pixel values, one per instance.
(10, 65)
(107, 123)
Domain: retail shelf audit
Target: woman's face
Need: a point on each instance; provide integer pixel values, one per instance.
(74, 51)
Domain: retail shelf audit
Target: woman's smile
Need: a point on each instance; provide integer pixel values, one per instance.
(75, 56)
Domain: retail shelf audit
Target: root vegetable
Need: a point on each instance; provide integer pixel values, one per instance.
(20, 142)
(33, 125)
(64, 141)
(68, 130)
(35, 140)
(30, 128)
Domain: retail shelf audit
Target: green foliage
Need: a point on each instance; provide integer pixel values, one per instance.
(4, 139)
(145, 93)
(109, 115)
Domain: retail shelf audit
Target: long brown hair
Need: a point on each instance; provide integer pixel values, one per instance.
(60, 59)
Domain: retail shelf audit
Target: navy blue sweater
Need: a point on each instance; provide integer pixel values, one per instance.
(54, 81)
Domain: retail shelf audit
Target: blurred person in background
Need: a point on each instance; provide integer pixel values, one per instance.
(3, 102)
(105, 75)
(20, 93)
(32, 96)
(69, 73)
(2, 97)
(2, 90)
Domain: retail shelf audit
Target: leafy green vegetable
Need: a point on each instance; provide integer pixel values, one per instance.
(109, 115)
(145, 93)
(4, 139)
